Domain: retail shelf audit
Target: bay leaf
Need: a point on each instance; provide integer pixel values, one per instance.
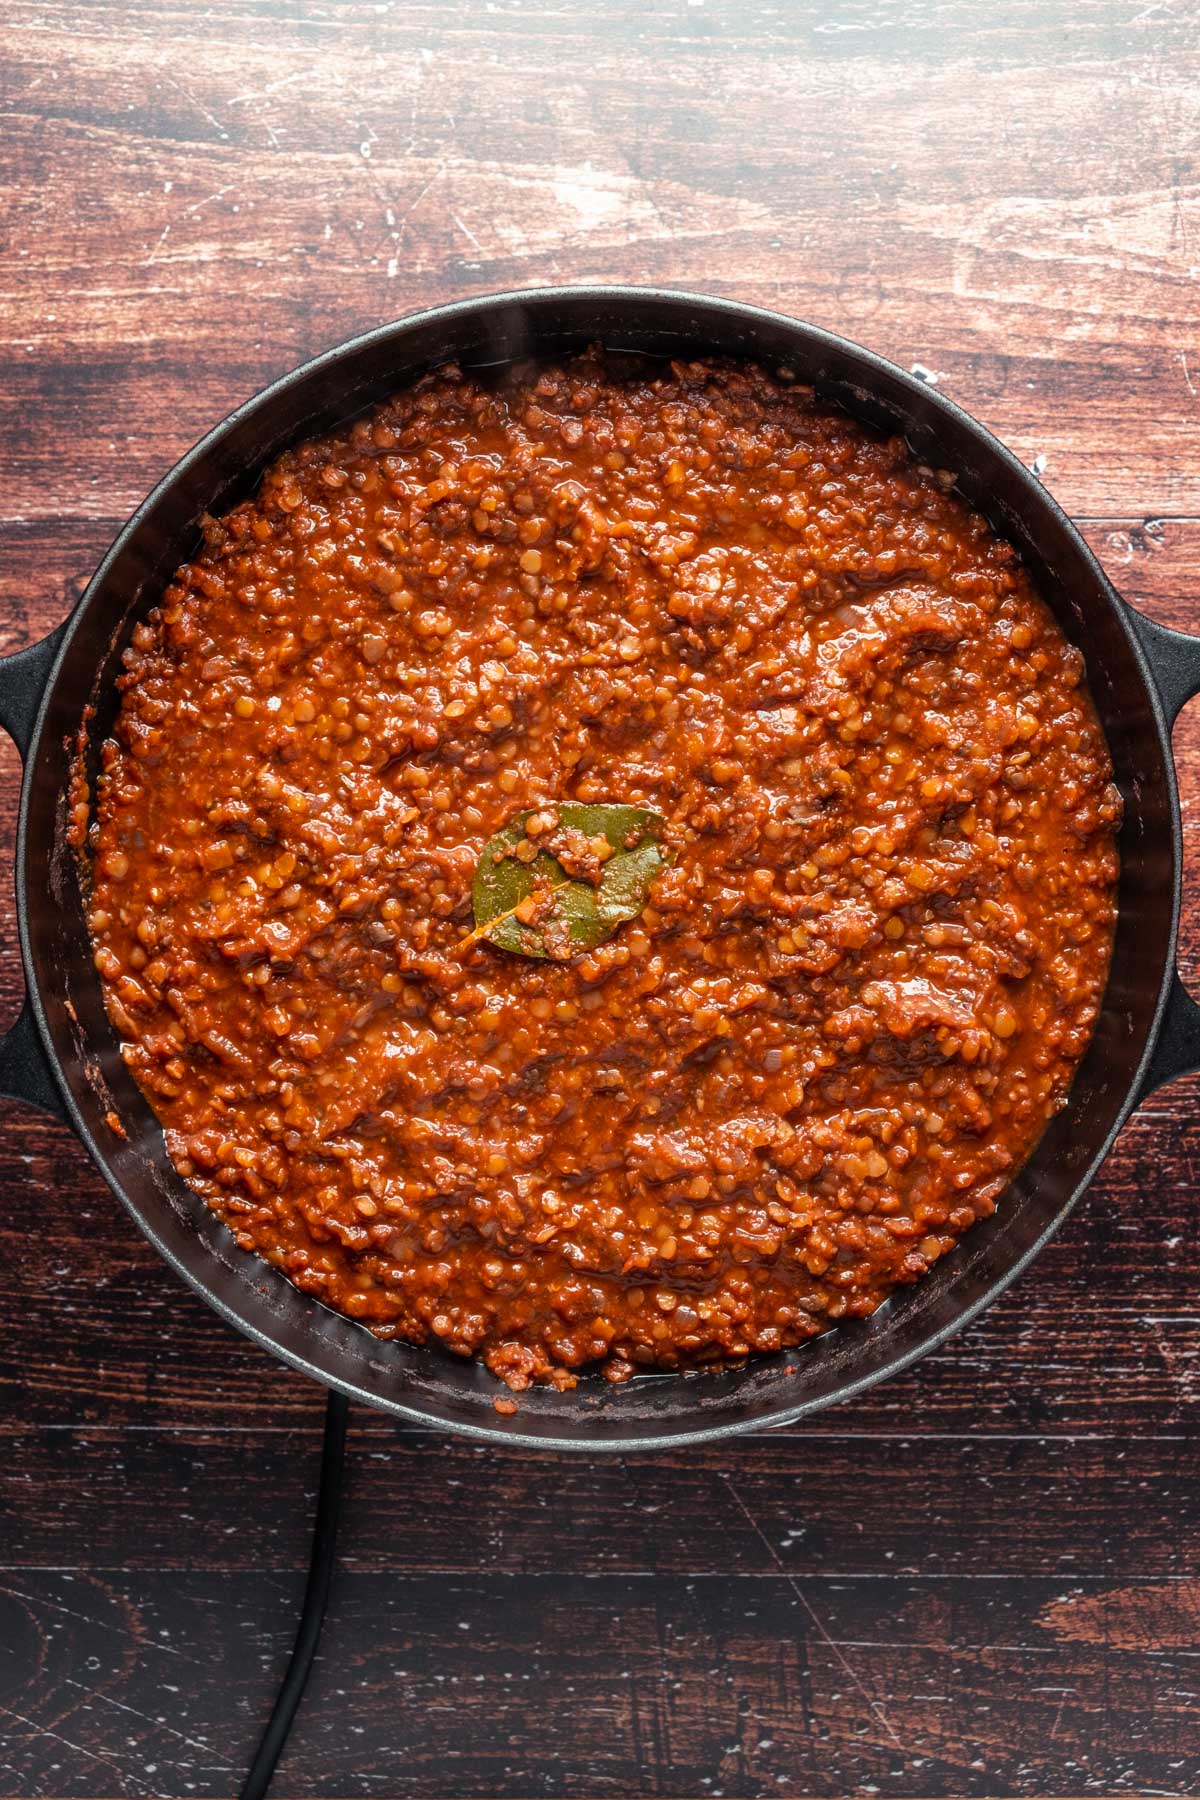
(576, 903)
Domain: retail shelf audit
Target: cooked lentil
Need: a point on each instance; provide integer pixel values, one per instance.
(857, 993)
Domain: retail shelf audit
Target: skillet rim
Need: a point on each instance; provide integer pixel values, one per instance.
(1034, 498)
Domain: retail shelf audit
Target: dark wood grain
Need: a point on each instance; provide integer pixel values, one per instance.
(750, 1510)
(567, 1683)
(981, 1578)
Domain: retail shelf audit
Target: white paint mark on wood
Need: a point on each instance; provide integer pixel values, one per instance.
(467, 232)
(272, 87)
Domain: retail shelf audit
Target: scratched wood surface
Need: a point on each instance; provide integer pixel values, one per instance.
(981, 1579)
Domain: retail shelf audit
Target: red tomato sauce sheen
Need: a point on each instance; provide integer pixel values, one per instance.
(857, 992)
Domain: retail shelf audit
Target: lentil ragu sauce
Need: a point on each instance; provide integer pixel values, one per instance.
(857, 992)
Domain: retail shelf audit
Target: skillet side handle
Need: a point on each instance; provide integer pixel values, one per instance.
(23, 678)
(24, 1072)
(1174, 660)
(1177, 1051)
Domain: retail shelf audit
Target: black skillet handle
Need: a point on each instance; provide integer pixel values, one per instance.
(24, 1071)
(1174, 660)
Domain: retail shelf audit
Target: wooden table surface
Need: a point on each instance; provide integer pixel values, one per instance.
(980, 1578)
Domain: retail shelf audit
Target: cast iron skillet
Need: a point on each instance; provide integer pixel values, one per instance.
(62, 1053)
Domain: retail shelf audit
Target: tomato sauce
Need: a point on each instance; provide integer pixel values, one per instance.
(858, 987)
